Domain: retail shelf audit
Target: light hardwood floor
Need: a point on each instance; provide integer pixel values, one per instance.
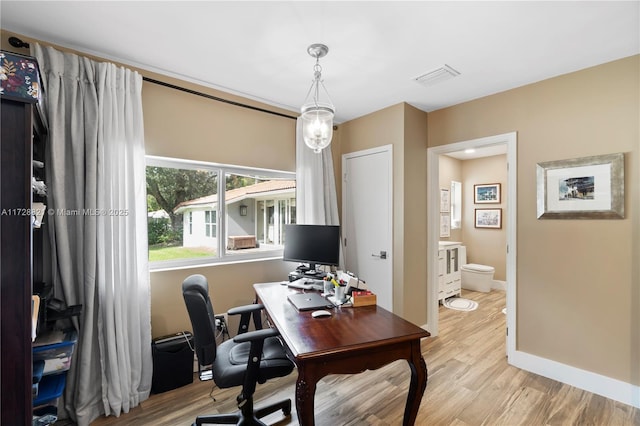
(470, 383)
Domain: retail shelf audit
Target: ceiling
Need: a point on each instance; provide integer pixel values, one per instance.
(472, 153)
(376, 49)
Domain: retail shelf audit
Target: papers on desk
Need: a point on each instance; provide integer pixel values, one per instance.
(333, 300)
(307, 284)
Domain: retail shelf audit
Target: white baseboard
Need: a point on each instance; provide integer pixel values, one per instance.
(499, 285)
(592, 382)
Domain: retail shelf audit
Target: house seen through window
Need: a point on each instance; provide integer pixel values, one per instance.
(204, 212)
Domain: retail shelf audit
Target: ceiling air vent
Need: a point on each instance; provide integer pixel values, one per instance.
(437, 75)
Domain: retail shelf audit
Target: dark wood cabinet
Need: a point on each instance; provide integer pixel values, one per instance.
(16, 250)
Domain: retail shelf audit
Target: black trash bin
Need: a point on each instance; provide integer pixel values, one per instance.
(172, 361)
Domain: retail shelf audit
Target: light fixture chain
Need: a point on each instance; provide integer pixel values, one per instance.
(317, 76)
(326, 92)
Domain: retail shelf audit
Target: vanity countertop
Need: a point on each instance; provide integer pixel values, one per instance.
(449, 243)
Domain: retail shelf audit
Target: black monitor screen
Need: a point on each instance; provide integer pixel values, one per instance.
(312, 244)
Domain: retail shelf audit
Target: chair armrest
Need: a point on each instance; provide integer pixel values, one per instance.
(246, 312)
(238, 310)
(256, 335)
(252, 375)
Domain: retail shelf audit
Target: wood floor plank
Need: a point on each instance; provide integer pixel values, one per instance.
(469, 384)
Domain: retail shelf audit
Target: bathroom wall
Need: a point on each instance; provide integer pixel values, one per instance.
(486, 246)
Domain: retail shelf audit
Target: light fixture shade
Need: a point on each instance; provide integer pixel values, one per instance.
(317, 126)
(317, 115)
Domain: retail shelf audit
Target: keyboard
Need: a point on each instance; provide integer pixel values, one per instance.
(307, 284)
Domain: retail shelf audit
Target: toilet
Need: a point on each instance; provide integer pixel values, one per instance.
(474, 276)
(477, 277)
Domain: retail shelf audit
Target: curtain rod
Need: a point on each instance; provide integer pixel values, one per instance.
(16, 42)
(215, 98)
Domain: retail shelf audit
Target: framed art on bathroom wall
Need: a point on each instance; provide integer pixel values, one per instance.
(488, 218)
(445, 225)
(445, 200)
(581, 188)
(488, 193)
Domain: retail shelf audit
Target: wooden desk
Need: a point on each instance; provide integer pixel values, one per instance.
(351, 341)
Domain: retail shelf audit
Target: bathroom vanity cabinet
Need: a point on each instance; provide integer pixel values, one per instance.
(449, 275)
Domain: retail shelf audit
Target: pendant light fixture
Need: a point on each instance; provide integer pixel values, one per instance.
(317, 114)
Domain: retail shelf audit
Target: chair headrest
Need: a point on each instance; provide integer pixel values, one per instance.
(196, 283)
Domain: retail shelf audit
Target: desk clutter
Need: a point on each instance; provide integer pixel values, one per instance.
(351, 290)
(363, 298)
(341, 289)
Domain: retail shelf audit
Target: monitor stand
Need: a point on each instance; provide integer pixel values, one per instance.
(307, 269)
(303, 271)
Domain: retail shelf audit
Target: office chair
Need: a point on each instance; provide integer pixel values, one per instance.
(229, 360)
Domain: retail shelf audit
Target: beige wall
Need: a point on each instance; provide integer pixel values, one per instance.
(414, 214)
(229, 285)
(578, 301)
(405, 128)
(485, 246)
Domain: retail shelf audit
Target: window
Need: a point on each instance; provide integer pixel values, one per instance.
(456, 205)
(210, 223)
(213, 212)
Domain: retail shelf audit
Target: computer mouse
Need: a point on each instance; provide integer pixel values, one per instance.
(316, 314)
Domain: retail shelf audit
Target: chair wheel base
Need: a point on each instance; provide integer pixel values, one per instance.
(241, 418)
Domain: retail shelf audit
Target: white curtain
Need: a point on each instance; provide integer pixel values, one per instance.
(316, 200)
(96, 195)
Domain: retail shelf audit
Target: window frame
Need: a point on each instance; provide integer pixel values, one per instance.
(456, 204)
(222, 170)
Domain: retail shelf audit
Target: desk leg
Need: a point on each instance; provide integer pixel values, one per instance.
(305, 396)
(417, 386)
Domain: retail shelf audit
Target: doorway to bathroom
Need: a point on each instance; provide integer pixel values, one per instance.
(507, 143)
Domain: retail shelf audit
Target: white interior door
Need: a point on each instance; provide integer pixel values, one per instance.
(367, 219)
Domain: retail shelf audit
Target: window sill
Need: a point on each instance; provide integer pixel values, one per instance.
(210, 262)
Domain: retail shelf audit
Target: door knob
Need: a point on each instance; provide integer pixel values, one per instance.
(382, 255)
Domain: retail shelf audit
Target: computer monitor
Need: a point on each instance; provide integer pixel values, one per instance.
(312, 244)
